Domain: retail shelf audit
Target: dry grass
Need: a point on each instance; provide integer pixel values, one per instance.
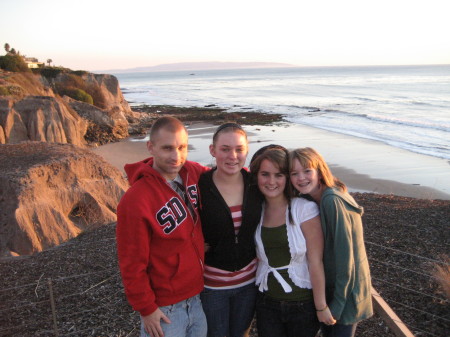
(29, 83)
(442, 275)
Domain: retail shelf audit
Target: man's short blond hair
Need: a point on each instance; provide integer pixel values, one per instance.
(168, 123)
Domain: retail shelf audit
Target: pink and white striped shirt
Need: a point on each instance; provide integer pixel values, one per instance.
(223, 279)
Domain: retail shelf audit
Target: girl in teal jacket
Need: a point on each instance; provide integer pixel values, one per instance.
(345, 261)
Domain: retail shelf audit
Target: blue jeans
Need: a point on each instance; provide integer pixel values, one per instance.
(187, 317)
(338, 330)
(229, 312)
(285, 318)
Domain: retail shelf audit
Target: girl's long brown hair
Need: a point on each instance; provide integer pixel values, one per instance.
(279, 156)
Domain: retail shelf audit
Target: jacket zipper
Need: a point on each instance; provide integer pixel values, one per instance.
(236, 236)
(194, 224)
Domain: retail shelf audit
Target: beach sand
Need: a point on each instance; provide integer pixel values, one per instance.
(364, 165)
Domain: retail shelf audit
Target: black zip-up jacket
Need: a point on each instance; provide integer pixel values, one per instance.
(228, 251)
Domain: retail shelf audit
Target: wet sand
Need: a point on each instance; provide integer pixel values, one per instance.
(364, 165)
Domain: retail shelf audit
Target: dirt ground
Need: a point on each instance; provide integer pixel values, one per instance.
(404, 237)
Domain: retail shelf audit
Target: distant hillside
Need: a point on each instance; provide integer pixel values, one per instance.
(191, 66)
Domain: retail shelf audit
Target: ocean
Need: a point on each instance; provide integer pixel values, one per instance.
(407, 107)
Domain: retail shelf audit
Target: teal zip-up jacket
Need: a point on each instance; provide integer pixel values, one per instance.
(345, 261)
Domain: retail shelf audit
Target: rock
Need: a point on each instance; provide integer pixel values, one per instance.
(111, 91)
(51, 192)
(41, 118)
(106, 90)
(2, 136)
(113, 121)
(11, 122)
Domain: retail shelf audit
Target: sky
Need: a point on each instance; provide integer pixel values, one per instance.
(111, 34)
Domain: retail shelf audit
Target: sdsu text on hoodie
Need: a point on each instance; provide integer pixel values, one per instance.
(160, 248)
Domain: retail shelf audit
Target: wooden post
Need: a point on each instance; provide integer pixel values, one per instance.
(389, 316)
(52, 303)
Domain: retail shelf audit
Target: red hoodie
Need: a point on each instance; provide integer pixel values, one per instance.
(160, 248)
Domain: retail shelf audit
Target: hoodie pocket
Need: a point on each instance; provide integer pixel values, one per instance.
(188, 271)
(163, 271)
(173, 263)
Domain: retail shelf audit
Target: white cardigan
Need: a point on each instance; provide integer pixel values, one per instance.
(301, 210)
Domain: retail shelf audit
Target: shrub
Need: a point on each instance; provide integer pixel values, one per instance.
(97, 95)
(442, 274)
(36, 71)
(79, 72)
(13, 63)
(74, 81)
(77, 94)
(83, 96)
(11, 90)
(75, 87)
(52, 72)
(4, 91)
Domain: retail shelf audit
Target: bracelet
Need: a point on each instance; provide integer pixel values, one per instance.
(326, 307)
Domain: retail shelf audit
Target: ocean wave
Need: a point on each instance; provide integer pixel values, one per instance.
(134, 91)
(365, 99)
(299, 107)
(391, 120)
(420, 103)
(418, 124)
(431, 149)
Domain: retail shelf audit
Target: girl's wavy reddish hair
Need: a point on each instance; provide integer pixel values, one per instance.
(310, 158)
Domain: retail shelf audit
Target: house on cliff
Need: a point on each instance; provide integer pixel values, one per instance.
(33, 62)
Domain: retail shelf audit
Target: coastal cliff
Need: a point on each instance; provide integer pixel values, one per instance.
(52, 187)
(40, 118)
(47, 107)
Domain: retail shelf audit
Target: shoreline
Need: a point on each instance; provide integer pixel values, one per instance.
(363, 165)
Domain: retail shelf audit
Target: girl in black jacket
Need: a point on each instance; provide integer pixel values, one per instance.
(230, 212)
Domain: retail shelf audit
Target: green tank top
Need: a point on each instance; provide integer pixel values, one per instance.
(276, 246)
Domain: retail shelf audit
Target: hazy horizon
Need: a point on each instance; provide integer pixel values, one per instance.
(104, 35)
(205, 66)
(208, 65)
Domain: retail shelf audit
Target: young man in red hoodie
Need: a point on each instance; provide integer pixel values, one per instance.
(159, 238)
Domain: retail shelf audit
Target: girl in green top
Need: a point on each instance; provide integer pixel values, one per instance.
(289, 244)
(345, 261)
